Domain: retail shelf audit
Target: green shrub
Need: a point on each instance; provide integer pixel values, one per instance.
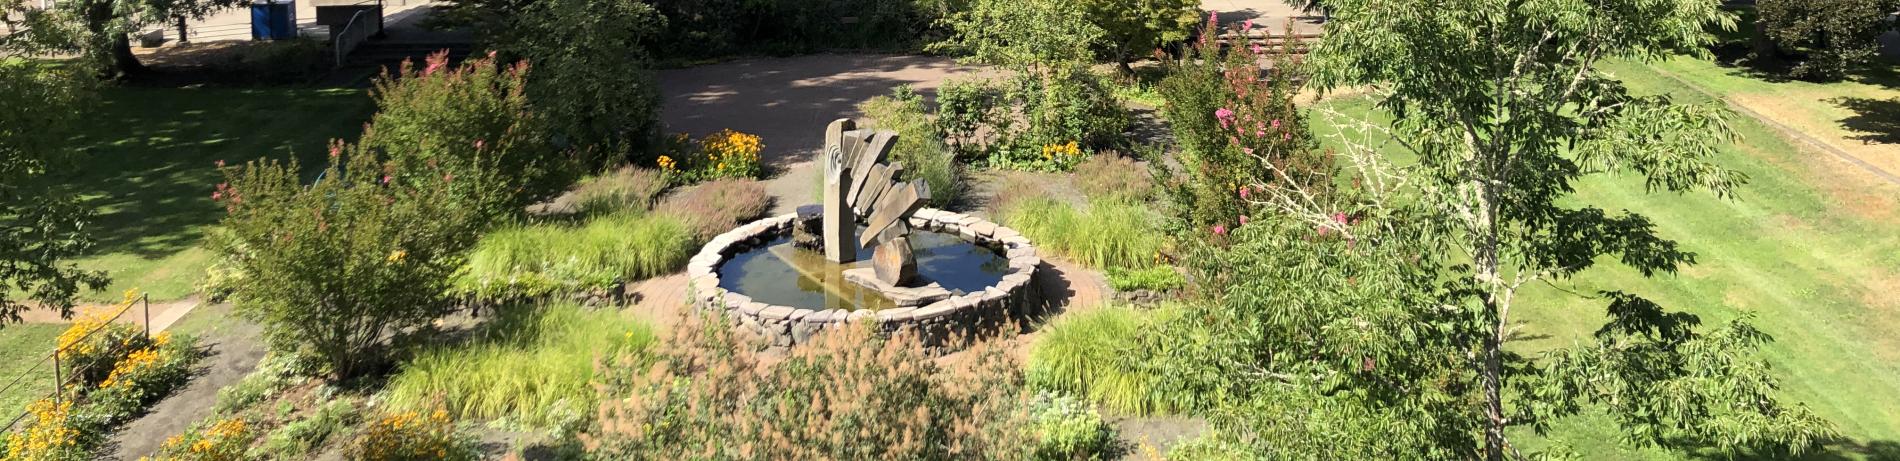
(330, 267)
(470, 127)
(298, 438)
(531, 365)
(1067, 429)
(919, 146)
(713, 207)
(1836, 36)
(1106, 234)
(708, 28)
(412, 436)
(626, 189)
(1093, 354)
(275, 373)
(591, 78)
(1158, 278)
(223, 440)
(284, 60)
(546, 259)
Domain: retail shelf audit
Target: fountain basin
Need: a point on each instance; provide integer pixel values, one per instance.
(730, 265)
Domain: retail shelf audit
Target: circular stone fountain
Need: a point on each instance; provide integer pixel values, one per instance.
(970, 272)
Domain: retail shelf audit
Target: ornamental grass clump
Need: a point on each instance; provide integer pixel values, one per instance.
(531, 365)
(1089, 353)
(554, 258)
(715, 207)
(848, 394)
(625, 189)
(1103, 234)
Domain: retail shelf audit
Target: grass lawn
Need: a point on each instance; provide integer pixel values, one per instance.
(1808, 246)
(1860, 116)
(23, 345)
(148, 170)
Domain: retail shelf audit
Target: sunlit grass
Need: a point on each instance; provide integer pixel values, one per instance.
(1103, 234)
(545, 259)
(1088, 353)
(531, 365)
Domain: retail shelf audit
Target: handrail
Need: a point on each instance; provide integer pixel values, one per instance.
(351, 34)
(144, 300)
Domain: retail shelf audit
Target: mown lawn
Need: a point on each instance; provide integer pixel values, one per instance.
(1809, 247)
(148, 169)
(23, 346)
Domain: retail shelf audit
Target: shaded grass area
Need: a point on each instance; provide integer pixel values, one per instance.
(1808, 247)
(23, 345)
(532, 365)
(148, 169)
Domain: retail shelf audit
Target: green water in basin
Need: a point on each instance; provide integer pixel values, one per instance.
(780, 274)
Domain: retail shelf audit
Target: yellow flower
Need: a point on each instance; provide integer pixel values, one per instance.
(397, 255)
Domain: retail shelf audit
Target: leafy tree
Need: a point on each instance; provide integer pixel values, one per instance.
(41, 227)
(1133, 28)
(101, 30)
(1836, 35)
(1502, 106)
(590, 79)
(333, 268)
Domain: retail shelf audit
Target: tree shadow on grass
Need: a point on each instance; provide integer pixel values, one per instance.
(148, 166)
(1875, 121)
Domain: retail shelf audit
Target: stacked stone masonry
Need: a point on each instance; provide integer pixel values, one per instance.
(939, 323)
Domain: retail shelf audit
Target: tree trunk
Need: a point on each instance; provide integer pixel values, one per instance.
(124, 63)
(119, 60)
(1764, 46)
(1491, 374)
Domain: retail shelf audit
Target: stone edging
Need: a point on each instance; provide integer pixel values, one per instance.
(937, 321)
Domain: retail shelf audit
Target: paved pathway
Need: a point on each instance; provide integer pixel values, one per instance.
(1272, 14)
(235, 349)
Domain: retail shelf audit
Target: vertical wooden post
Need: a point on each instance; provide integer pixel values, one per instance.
(146, 300)
(57, 380)
(182, 38)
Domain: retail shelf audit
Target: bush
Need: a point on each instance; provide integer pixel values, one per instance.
(1069, 430)
(333, 266)
(726, 154)
(626, 189)
(1236, 130)
(1158, 278)
(92, 345)
(411, 436)
(846, 395)
(919, 146)
(52, 434)
(1835, 35)
(714, 207)
(708, 28)
(591, 78)
(1091, 354)
(470, 128)
(1131, 29)
(224, 440)
(1107, 234)
(142, 377)
(283, 60)
(530, 365)
(548, 259)
(138, 376)
(1113, 177)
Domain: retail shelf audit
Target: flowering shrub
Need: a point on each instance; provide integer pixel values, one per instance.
(224, 440)
(1235, 128)
(89, 348)
(471, 128)
(721, 155)
(331, 266)
(50, 435)
(411, 436)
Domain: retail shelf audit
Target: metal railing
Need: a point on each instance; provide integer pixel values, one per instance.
(60, 377)
(352, 34)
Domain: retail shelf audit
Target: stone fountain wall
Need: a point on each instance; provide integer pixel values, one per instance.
(938, 322)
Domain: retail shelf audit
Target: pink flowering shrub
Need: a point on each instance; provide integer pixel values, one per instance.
(1238, 127)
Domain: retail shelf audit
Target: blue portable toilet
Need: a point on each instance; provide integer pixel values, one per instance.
(273, 19)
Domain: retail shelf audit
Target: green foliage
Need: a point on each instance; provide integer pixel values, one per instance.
(1105, 234)
(471, 128)
(284, 61)
(275, 373)
(99, 31)
(725, 154)
(1835, 35)
(919, 146)
(591, 80)
(531, 365)
(77, 426)
(1067, 429)
(41, 225)
(330, 267)
(1158, 278)
(1236, 129)
(1503, 109)
(412, 436)
(627, 189)
(549, 259)
(847, 395)
(299, 438)
(710, 28)
(1058, 99)
(1131, 29)
(1092, 354)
